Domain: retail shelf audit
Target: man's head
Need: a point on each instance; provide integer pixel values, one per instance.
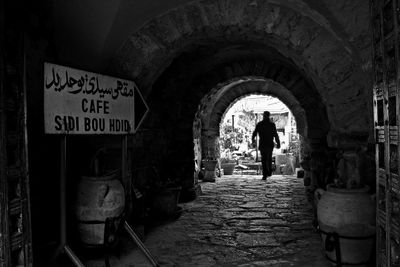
(266, 115)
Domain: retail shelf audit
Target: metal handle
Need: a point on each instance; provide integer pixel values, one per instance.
(319, 192)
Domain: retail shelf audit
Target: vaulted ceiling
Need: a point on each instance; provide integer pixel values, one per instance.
(320, 47)
(92, 31)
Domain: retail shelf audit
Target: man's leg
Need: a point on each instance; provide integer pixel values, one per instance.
(264, 163)
(269, 160)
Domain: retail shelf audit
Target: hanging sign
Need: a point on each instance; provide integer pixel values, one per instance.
(81, 102)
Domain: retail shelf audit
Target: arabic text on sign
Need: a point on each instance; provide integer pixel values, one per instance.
(86, 85)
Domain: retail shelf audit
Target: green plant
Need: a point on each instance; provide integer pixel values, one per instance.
(231, 138)
(227, 160)
(226, 157)
(209, 158)
(158, 180)
(294, 148)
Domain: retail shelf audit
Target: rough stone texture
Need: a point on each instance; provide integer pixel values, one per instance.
(238, 221)
(351, 15)
(225, 95)
(179, 56)
(311, 32)
(214, 105)
(310, 43)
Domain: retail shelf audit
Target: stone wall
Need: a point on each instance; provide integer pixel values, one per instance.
(322, 55)
(179, 56)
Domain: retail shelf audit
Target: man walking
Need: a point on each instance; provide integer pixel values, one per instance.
(266, 130)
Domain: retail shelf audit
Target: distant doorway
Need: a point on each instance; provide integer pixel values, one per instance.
(238, 124)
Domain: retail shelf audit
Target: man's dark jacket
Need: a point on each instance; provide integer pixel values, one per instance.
(266, 131)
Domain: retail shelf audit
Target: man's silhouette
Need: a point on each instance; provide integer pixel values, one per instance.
(266, 130)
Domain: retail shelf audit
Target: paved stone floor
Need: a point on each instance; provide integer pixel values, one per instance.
(238, 221)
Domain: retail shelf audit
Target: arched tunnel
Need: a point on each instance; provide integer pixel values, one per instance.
(192, 69)
(215, 104)
(195, 90)
(190, 61)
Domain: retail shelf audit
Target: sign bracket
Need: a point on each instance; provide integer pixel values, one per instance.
(128, 186)
(63, 247)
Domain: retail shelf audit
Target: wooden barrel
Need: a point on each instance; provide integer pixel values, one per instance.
(98, 199)
(346, 218)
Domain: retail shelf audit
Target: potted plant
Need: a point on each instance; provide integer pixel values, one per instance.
(228, 163)
(346, 213)
(165, 194)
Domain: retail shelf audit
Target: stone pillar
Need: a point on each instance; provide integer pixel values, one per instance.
(209, 170)
(197, 158)
(210, 155)
(184, 170)
(303, 150)
(210, 147)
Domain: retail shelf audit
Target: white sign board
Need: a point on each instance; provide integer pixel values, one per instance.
(81, 102)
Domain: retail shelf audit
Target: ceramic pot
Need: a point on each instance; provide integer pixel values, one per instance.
(228, 168)
(98, 199)
(346, 218)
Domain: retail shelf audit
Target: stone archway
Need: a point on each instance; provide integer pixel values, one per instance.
(178, 57)
(294, 32)
(215, 104)
(226, 94)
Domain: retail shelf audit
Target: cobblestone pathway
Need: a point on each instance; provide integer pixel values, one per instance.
(238, 221)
